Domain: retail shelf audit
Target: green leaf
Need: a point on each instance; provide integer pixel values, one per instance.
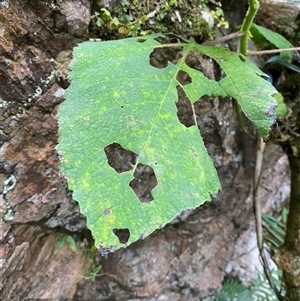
(116, 96)
(263, 36)
(115, 22)
(105, 14)
(275, 229)
(281, 110)
(284, 215)
(243, 82)
(277, 59)
(97, 269)
(92, 272)
(59, 244)
(72, 243)
(232, 290)
(261, 289)
(89, 255)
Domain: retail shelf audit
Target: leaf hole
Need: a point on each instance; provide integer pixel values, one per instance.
(143, 183)
(62, 82)
(202, 63)
(119, 158)
(183, 78)
(141, 40)
(184, 108)
(122, 234)
(160, 56)
(242, 58)
(185, 112)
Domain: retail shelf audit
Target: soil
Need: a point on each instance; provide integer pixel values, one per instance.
(187, 260)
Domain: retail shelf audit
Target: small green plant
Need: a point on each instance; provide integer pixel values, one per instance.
(122, 25)
(275, 229)
(135, 18)
(92, 272)
(65, 238)
(101, 18)
(233, 290)
(260, 290)
(219, 17)
(94, 269)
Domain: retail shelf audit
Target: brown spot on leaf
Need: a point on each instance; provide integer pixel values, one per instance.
(106, 211)
(194, 152)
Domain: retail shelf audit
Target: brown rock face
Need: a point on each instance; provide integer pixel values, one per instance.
(184, 261)
(34, 198)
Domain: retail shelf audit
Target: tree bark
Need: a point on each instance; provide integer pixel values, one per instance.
(289, 258)
(287, 135)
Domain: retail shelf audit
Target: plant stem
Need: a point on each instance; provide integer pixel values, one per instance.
(224, 39)
(243, 49)
(258, 216)
(241, 121)
(243, 43)
(261, 52)
(252, 10)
